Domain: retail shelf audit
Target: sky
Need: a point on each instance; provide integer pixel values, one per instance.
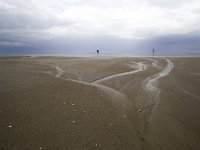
(113, 26)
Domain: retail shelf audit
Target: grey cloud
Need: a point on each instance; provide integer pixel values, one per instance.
(171, 44)
(29, 21)
(6, 43)
(170, 4)
(24, 25)
(108, 45)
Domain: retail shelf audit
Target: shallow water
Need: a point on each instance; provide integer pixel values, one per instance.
(125, 53)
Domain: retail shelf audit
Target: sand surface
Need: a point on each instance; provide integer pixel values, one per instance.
(59, 103)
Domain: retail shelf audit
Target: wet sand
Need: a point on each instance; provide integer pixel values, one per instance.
(99, 103)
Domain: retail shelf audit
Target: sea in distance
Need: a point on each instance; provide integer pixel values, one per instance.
(90, 53)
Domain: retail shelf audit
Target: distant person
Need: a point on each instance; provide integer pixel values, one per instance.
(98, 52)
(153, 51)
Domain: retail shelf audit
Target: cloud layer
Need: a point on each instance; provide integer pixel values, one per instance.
(130, 22)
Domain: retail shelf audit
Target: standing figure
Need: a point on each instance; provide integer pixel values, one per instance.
(153, 51)
(98, 52)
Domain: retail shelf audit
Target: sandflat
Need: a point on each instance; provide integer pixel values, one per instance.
(99, 103)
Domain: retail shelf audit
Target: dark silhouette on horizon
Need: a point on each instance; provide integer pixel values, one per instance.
(153, 51)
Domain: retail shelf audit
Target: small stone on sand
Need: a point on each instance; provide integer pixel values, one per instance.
(10, 126)
(72, 104)
(117, 141)
(73, 121)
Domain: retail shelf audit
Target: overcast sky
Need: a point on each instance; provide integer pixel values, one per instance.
(62, 26)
